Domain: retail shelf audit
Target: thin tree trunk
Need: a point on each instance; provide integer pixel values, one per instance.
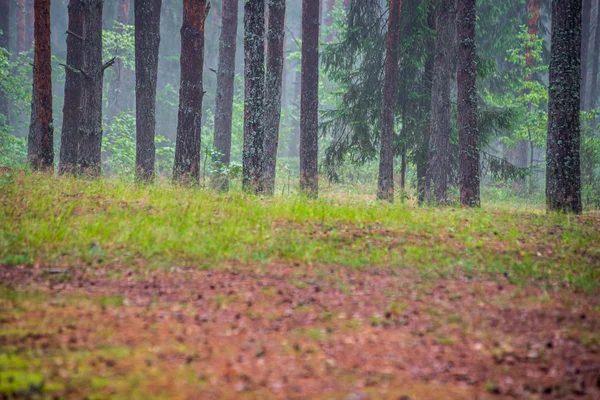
(254, 58)
(29, 24)
(187, 151)
(70, 136)
(468, 129)
(147, 42)
(385, 188)
(225, 88)
(90, 127)
(593, 95)
(423, 150)
(4, 44)
(586, 36)
(21, 26)
(40, 152)
(275, 59)
(563, 171)
(117, 93)
(436, 182)
(309, 102)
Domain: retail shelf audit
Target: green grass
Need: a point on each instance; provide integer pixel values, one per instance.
(59, 222)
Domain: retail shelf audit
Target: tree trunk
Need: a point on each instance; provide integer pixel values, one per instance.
(117, 92)
(29, 24)
(70, 136)
(436, 182)
(90, 127)
(423, 150)
(4, 44)
(309, 102)
(254, 88)
(563, 172)
(593, 96)
(40, 152)
(187, 150)
(385, 187)
(21, 26)
(468, 129)
(147, 41)
(586, 35)
(275, 59)
(225, 88)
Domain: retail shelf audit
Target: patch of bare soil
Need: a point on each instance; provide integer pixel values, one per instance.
(296, 332)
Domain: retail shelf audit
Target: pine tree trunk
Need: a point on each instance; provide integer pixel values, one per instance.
(187, 151)
(117, 92)
(90, 127)
(40, 151)
(147, 42)
(563, 171)
(309, 102)
(275, 59)
(29, 23)
(225, 88)
(21, 26)
(385, 188)
(436, 182)
(586, 36)
(4, 44)
(593, 95)
(254, 73)
(70, 137)
(423, 150)
(468, 129)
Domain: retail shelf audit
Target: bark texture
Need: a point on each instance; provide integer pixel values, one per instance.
(70, 136)
(225, 87)
(40, 150)
(436, 182)
(274, 79)
(468, 130)
(563, 171)
(254, 89)
(147, 42)
(187, 151)
(4, 44)
(385, 187)
(90, 126)
(309, 101)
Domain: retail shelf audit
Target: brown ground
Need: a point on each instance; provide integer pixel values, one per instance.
(294, 332)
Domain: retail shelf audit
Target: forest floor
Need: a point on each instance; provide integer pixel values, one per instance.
(111, 290)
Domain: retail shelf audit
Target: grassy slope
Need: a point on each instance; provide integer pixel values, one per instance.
(56, 222)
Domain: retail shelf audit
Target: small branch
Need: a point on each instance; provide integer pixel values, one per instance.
(207, 10)
(73, 69)
(212, 69)
(293, 37)
(75, 35)
(108, 64)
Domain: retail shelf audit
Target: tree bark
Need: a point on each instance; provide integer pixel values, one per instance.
(593, 95)
(423, 150)
(147, 42)
(90, 126)
(385, 188)
(436, 182)
(4, 44)
(70, 136)
(309, 102)
(586, 35)
(254, 88)
(225, 87)
(563, 171)
(40, 151)
(187, 151)
(275, 59)
(468, 129)
(117, 91)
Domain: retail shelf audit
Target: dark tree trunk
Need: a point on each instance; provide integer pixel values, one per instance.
(254, 73)
(593, 96)
(385, 187)
(468, 129)
(187, 150)
(436, 182)
(4, 44)
(70, 137)
(40, 152)
(147, 41)
(586, 36)
(423, 150)
(225, 87)
(563, 172)
(117, 93)
(90, 127)
(275, 59)
(309, 102)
